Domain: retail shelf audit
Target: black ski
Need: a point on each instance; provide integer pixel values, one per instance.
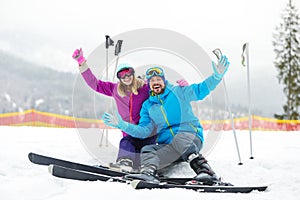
(45, 160)
(68, 173)
(66, 169)
(76, 171)
(138, 184)
(167, 183)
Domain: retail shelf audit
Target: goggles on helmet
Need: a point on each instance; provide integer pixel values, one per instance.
(125, 72)
(154, 71)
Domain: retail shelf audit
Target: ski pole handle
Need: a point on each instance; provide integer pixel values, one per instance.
(108, 41)
(218, 53)
(118, 47)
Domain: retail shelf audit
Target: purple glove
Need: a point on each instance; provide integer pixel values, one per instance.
(182, 82)
(78, 56)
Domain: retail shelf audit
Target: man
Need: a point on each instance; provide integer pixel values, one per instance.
(179, 132)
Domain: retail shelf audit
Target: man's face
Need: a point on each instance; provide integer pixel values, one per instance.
(157, 84)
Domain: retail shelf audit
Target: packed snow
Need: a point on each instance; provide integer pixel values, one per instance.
(276, 163)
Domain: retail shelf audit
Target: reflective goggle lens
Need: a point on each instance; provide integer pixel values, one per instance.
(156, 71)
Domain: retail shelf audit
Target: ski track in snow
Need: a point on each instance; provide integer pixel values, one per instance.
(276, 163)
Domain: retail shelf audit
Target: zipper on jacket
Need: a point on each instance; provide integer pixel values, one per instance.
(196, 130)
(165, 116)
(130, 108)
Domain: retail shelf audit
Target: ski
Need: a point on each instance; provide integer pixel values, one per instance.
(66, 169)
(73, 174)
(77, 171)
(69, 173)
(138, 184)
(45, 160)
(62, 172)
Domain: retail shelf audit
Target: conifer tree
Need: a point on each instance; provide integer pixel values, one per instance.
(287, 61)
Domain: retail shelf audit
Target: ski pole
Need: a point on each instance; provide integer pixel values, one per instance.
(218, 54)
(232, 122)
(108, 42)
(246, 51)
(117, 52)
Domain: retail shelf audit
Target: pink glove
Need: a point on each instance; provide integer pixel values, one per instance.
(182, 82)
(78, 56)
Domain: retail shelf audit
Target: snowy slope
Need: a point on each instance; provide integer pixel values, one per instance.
(276, 163)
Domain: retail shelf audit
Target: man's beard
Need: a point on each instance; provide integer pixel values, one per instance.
(159, 90)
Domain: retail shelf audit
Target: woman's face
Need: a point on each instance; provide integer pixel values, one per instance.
(127, 80)
(126, 76)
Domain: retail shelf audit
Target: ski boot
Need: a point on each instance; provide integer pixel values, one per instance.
(147, 173)
(205, 175)
(123, 165)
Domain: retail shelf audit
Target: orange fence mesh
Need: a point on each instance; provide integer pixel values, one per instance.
(37, 118)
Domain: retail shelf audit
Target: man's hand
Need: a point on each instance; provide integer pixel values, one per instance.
(221, 68)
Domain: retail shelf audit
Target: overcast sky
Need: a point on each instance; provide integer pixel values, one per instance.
(48, 31)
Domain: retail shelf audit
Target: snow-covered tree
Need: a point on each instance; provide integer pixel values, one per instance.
(287, 61)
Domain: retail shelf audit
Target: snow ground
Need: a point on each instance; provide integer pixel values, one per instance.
(276, 163)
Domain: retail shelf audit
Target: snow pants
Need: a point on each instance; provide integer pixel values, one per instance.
(163, 155)
(130, 147)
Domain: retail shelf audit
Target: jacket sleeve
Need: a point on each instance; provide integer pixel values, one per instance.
(199, 91)
(145, 126)
(97, 85)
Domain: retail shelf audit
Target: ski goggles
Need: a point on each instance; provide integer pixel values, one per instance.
(154, 71)
(125, 72)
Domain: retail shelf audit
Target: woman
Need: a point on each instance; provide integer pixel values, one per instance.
(129, 94)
